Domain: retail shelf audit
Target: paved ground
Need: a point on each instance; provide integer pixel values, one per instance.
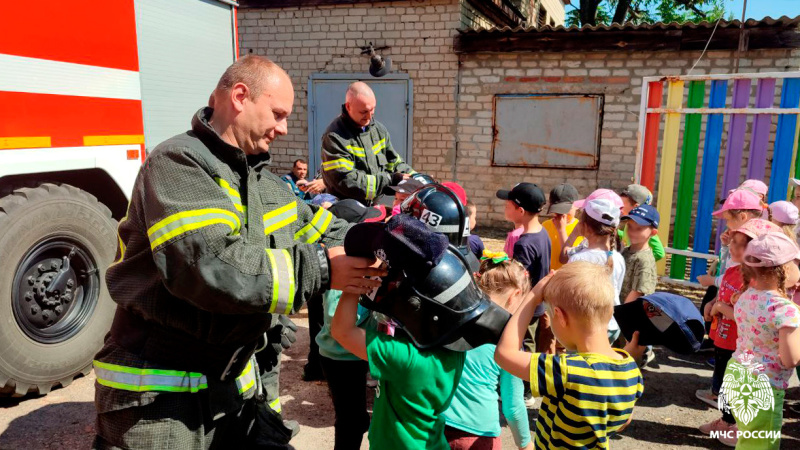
(665, 418)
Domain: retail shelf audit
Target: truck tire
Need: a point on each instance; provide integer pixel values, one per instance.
(56, 242)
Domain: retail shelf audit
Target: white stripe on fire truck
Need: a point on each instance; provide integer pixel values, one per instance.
(41, 76)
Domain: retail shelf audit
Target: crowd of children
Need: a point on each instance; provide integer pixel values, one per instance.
(562, 279)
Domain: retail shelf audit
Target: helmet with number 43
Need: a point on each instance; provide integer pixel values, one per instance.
(438, 207)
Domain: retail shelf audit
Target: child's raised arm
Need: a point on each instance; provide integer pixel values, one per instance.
(509, 355)
(577, 232)
(789, 346)
(344, 329)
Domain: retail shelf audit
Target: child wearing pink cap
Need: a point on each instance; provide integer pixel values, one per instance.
(768, 343)
(740, 206)
(756, 186)
(723, 332)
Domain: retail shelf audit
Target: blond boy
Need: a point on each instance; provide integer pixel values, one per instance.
(593, 385)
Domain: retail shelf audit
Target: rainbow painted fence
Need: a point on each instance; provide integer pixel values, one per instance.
(683, 123)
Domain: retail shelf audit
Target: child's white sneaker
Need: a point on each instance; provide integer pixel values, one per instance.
(533, 402)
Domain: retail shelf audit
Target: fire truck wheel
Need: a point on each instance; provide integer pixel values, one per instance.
(56, 242)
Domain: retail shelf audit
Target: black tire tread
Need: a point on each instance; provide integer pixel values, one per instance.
(8, 204)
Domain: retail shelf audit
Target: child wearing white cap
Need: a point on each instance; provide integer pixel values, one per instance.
(786, 216)
(794, 183)
(598, 225)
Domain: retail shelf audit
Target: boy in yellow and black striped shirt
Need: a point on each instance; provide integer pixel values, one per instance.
(590, 391)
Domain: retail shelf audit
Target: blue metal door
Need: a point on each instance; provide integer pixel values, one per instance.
(394, 109)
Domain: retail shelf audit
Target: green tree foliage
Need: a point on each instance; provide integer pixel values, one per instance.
(604, 12)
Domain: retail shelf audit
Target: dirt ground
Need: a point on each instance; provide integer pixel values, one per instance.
(666, 417)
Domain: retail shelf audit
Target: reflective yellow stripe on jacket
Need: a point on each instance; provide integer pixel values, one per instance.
(275, 405)
(247, 380)
(381, 145)
(234, 195)
(371, 187)
(183, 222)
(142, 380)
(313, 230)
(279, 218)
(356, 151)
(146, 380)
(340, 163)
(283, 282)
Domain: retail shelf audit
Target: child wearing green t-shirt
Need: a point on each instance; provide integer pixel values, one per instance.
(415, 386)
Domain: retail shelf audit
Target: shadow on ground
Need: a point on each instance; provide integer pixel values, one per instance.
(59, 426)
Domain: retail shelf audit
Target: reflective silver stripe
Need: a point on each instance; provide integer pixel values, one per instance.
(247, 380)
(314, 230)
(283, 284)
(232, 193)
(356, 151)
(455, 289)
(379, 146)
(275, 405)
(143, 380)
(186, 221)
(370, 187)
(279, 218)
(447, 228)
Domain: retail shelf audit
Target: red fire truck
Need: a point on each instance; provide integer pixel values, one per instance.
(86, 88)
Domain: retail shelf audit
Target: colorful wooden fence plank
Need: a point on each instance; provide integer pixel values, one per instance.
(708, 177)
(655, 150)
(784, 141)
(757, 161)
(733, 152)
(683, 211)
(650, 148)
(669, 158)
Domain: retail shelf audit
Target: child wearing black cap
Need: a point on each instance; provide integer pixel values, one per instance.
(524, 203)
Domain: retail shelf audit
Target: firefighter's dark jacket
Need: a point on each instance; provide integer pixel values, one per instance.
(358, 163)
(212, 245)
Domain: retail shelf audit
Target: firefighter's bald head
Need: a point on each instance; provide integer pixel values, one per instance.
(252, 102)
(360, 103)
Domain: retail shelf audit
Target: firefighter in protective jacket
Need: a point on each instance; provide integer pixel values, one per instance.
(358, 160)
(212, 246)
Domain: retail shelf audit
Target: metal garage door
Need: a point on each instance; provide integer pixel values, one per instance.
(184, 46)
(326, 97)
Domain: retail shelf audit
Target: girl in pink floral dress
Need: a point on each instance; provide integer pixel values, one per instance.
(768, 344)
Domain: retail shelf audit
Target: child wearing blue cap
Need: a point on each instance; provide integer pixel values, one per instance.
(641, 224)
(641, 277)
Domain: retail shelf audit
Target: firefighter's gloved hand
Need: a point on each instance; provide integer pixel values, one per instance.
(289, 334)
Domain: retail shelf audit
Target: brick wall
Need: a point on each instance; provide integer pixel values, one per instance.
(617, 75)
(327, 39)
(472, 19)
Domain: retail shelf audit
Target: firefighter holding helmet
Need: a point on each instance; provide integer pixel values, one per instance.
(212, 247)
